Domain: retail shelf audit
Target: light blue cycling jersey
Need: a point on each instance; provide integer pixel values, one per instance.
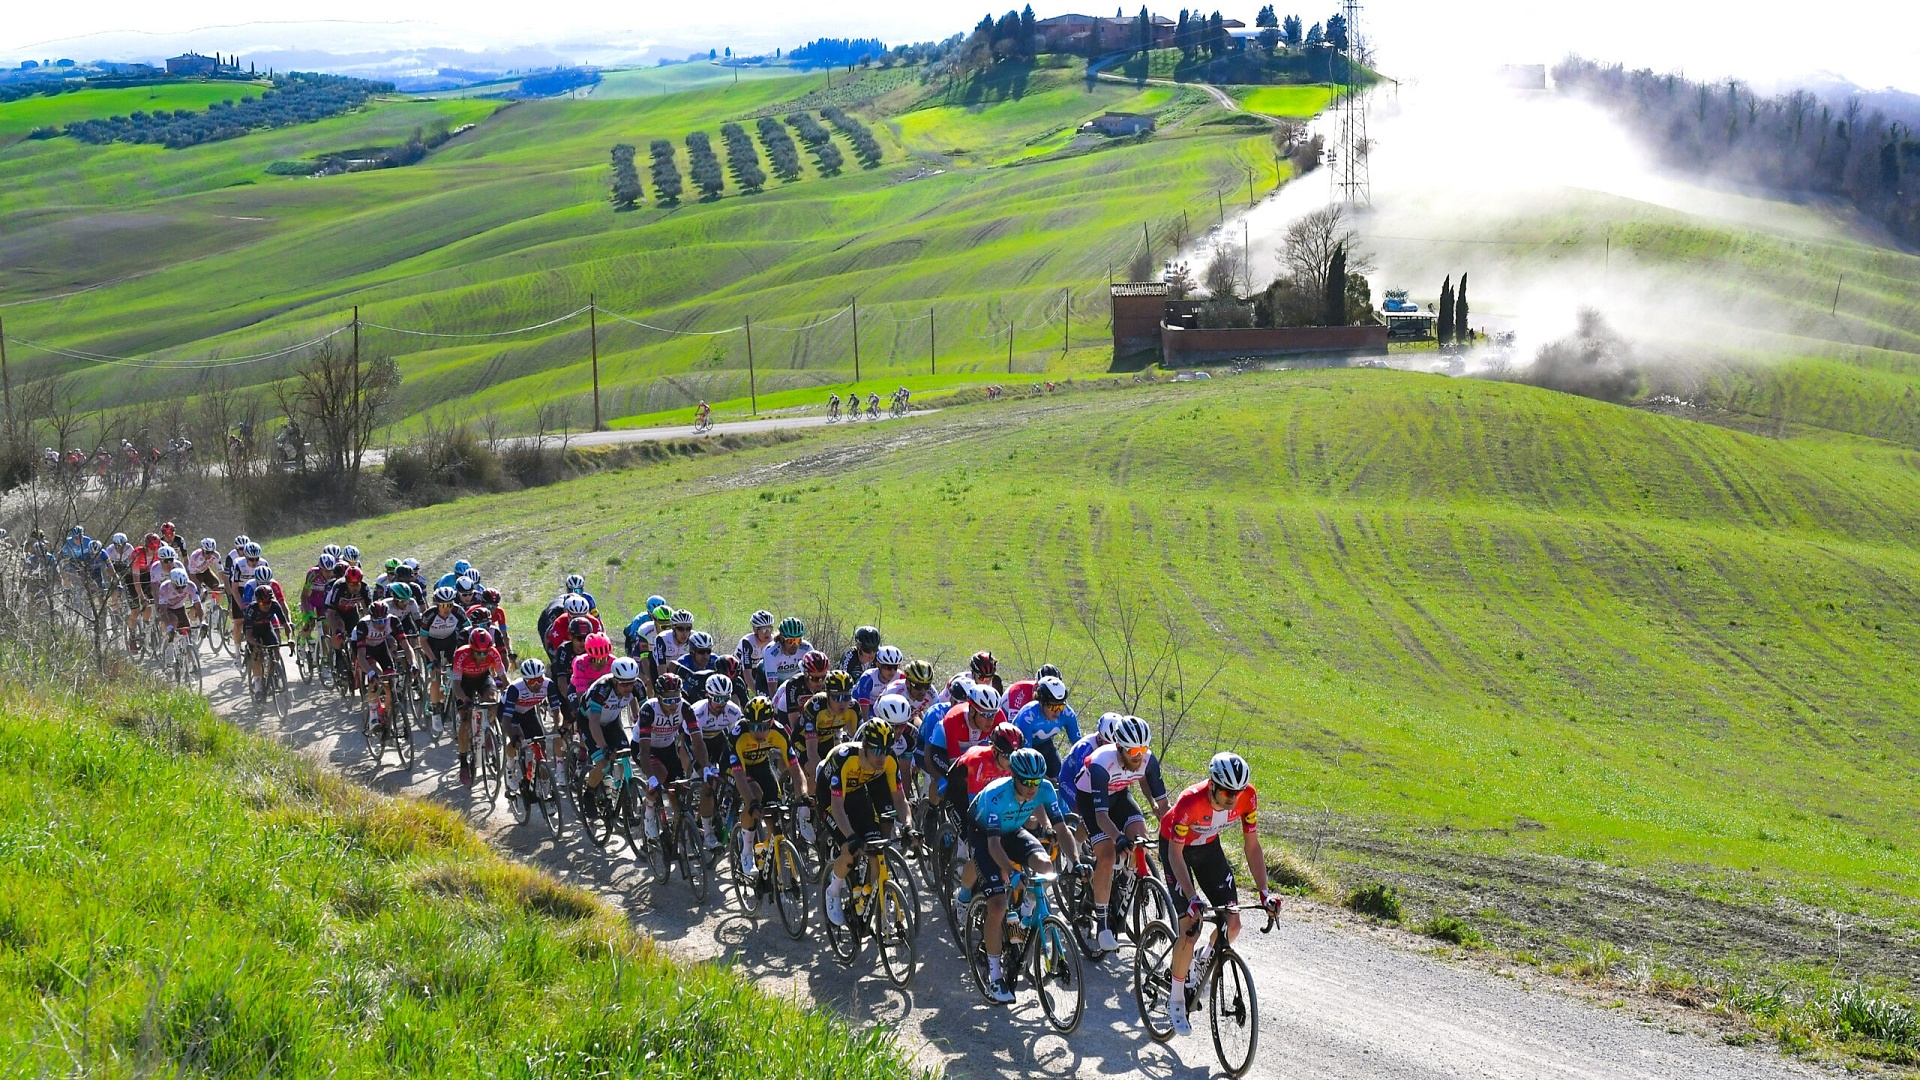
(1000, 811)
(1037, 728)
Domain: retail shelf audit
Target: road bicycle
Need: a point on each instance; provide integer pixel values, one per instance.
(382, 724)
(1218, 978)
(777, 870)
(306, 650)
(539, 768)
(680, 842)
(219, 628)
(272, 689)
(611, 805)
(947, 854)
(488, 744)
(876, 906)
(703, 425)
(184, 667)
(1137, 898)
(1035, 945)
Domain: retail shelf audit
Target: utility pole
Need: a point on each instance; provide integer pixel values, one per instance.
(1148, 241)
(593, 337)
(1832, 310)
(1246, 252)
(1066, 322)
(753, 390)
(355, 441)
(1249, 187)
(856, 339)
(930, 350)
(1222, 200)
(1009, 348)
(6, 384)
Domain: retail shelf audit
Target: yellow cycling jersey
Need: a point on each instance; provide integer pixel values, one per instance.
(818, 719)
(847, 772)
(752, 750)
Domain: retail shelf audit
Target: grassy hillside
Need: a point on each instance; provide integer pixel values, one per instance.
(17, 118)
(509, 225)
(177, 898)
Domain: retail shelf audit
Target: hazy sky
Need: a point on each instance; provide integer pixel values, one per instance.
(1875, 46)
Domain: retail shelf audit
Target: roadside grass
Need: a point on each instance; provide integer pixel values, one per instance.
(178, 897)
(1288, 102)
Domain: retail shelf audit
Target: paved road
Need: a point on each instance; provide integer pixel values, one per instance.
(1336, 1000)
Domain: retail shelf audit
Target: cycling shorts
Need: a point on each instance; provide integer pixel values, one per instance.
(717, 750)
(174, 617)
(1211, 873)
(1119, 807)
(863, 811)
(378, 656)
(666, 762)
(207, 581)
(442, 648)
(264, 635)
(763, 775)
(472, 686)
(1021, 846)
(529, 723)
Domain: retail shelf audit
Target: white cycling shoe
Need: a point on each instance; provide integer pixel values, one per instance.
(1177, 1013)
(1108, 943)
(836, 912)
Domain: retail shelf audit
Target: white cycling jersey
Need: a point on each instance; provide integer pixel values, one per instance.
(780, 665)
(714, 721)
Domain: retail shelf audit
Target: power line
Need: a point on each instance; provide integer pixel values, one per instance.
(575, 313)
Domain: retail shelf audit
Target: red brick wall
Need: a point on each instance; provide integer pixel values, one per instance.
(1136, 322)
(1178, 346)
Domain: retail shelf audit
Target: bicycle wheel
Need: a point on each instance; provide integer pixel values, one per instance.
(520, 796)
(194, 673)
(217, 635)
(843, 940)
(745, 887)
(1073, 899)
(1056, 975)
(1233, 1012)
(898, 870)
(547, 791)
(973, 942)
(692, 854)
(490, 754)
(370, 731)
(402, 731)
(303, 660)
(790, 888)
(1153, 979)
(946, 885)
(1151, 903)
(596, 812)
(277, 686)
(895, 933)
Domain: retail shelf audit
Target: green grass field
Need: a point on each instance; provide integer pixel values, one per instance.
(17, 118)
(509, 225)
(178, 898)
(1291, 102)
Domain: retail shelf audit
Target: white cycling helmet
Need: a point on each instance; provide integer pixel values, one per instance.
(444, 595)
(328, 562)
(352, 553)
(208, 545)
(892, 708)
(1132, 733)
(1107, 720)
(533, 668)
(762, 619)
(179, 577)
(719, 687)
(166, 553)
(984, 697)
(626, 668)
(575, 604)
(888, 656)
(575, 583)
(1229, 770)
(119, 538)
(473, 575)
(464, 584)
(700, 641)
(1051, 690)
(331, 549)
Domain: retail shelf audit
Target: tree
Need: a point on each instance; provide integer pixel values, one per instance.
(626, 178)
(1315, 37)
(1337, 32)
(344, 399)
(1223, 273)
(1309, 246)
(1444, 328)
(1460, 332)
(1269, 26)
(1336, 288)
(1183, 33)
(1143, 29)
(666, 175)
(704, 166)
(1029, 33)
(1218, 40)
(1290, 34)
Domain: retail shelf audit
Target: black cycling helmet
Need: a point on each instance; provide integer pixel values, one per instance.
(867, 637)
(839, 682)
(876, 735)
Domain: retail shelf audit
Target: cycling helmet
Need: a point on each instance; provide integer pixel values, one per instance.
(1229, 770)
(479, 613)
(401, 591)
(165, 526)
(575, 583)
(727, 665)
(888, 656)
(253, 551)
(759, 710)
(574, 604)
(533, 668)
(178, 577)
(242, 541)
(263, 574)
(1027, 764)
(654, 602)
(490, 597)
(1047, 670)
(667, 686)
(392, 565)
(876, 735)
(814, 663)
(352, 553)
(410, 564)
(600, 648)
(1007, 738)
(719, 687)
(474, 574)
(332, 549)
(839, 682)
(662, 616)
(700, 641)
(762, 618)
(683, 619)
(93, 546)
(328, 562)
(626, 669)
(984, 697)
(791, 627)
(443, 595)
(379, 611)
(579, 626)
(867, 637)
(207, 544)
(460, 568)
(481, 640)
(1131, 733)
(119, 538)
(957, 687)
(1050, 691)
(167, 553)
(463, 583)
(76, 531)
(354, 576)
(920, 673)
(892, 708)
(149, 540)
(983, 665)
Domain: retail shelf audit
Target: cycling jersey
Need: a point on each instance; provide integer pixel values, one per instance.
(792, 694)
(846, 771)
(1038, 729)
(639, 634)
(1193, 820)
(177, 597)
(852, 662)
(604, 701)
(1000, 811)
(347, 600)
(247, 591)
(749, 750)
(750, 652)
(779, 665)
(720, 721)
(375, 633)
(982, 767)
(469, 662)
(200, 561)
(121, 555)
(520, 698)
(693, 673)
(1106, 775)
(921, 703)
(313, 590)
(818, 719)
(1017, 696)
(260, 617)
(588, 672)
(668, 648)
(868, 687)
(664, 725)
(559, 633)
(443, 625)
(958, 733)
(1076, 761)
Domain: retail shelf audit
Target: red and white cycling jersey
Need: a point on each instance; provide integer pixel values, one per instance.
(1193, 819)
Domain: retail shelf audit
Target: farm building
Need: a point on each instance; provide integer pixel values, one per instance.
(1147, 321)
(1117, 124)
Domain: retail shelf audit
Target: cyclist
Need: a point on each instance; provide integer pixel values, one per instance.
(477, 667)
(697, 664)
(203, 566)
(173, 598)
(346, 600)
(764, 770)
(702, 413)
(490, 599)
(797, 691)
(826, 716)
(978, 767)
(1045, 717)
(460, 569)
(753, 646)
(833, 411)
(961, 729)
(668, 724)
(860, 655)
(730, 667)
(556, 633)
(1106, 805)
(853, 779)
(262, 579)
(873, 405)
(239, 572)
(572, 585)
(141, 563)
(372, 640)
(781, 660)
(670, 644)
(1195, 858)
(1003, 845)
(714, 718)
(520, 716)
(407, 613)
(1022, 692)
(875, 680)
(602, 704)
(640, 630)
(983, 668)
(120, 555)
(442, 627)
(387, 577)
(592, 665)
(915, 684)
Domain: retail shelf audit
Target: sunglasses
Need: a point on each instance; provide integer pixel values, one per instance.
(840, 697)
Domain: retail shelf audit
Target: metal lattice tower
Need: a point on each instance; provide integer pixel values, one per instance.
(1352, 184)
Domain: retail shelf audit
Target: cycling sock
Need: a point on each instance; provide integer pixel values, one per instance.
(1100, 914)
(994, 972)
(838, 886)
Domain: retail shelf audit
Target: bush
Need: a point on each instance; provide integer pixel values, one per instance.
(826, 156)
(297, 98)
(704, 166)
(780, 149)
(865, 146)
(1854, 1012)
(742, 158)
(1444, 927)
(446, 463)
(1378, 899)
(666, 175)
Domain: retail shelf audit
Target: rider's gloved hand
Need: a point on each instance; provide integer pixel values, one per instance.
(1196, 906)
(1270, 901)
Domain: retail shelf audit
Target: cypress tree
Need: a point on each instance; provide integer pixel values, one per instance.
(626, 178)
(1460, 332)
(1443, 329)
(1336, 295)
